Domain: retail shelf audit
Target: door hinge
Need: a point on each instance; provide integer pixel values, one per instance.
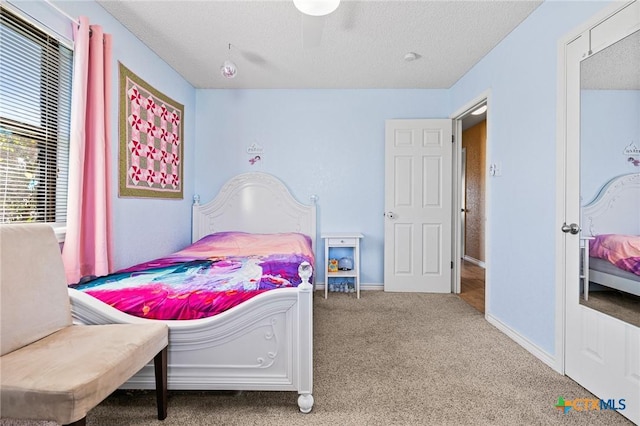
(452, 264)
(453, 138)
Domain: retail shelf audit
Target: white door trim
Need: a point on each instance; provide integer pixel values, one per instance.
(457, 171)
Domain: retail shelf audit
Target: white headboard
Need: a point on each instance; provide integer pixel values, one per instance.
(254, 202)
(616, 209)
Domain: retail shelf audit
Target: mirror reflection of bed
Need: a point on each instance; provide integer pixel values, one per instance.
(611, 249)
(609, 172)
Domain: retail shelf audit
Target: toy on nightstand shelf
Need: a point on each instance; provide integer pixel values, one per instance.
(342, 287)
(345, 264)
(333, 265)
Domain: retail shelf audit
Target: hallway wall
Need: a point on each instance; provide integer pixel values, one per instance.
(474, 142)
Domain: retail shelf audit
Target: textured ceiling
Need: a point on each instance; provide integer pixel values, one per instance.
(616, 67)
(363, 43)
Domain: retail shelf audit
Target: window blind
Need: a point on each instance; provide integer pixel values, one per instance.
(35, 108)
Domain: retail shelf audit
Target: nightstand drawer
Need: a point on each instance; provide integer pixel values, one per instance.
(342, 241)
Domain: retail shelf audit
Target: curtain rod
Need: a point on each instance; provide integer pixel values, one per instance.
(62, 12)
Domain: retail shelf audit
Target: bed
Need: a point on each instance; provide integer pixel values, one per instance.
(611, 236)
(263, 343)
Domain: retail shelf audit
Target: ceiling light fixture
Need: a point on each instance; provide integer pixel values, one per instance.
(228, 68)
(480, 110)
(316, 7)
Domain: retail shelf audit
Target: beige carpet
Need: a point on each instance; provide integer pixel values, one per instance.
(388, 359)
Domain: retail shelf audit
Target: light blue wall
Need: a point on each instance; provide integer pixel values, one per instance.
(331, 143)
(521, 73)
(609, 122)
(144, 228)
(324, 142)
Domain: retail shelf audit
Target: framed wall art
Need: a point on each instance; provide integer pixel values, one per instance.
(151, 141)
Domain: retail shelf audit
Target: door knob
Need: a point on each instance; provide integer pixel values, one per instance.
(390, 215)
(573, 228)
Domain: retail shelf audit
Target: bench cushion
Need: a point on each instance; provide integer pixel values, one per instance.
(35, 300)
(64, 375)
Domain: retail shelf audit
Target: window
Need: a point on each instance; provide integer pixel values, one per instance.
(35, 106)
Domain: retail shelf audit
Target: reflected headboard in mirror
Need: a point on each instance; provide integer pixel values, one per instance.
(616, 208)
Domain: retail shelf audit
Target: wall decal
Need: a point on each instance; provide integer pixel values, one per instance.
(632, 152)
(255, 152)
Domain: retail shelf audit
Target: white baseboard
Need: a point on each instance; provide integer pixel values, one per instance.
(371, 286)
(524, 342)
(470, 259)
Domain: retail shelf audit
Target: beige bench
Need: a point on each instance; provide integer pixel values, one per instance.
(51, 369)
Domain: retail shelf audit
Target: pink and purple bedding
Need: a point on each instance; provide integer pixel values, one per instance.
(621, 250)
(206, 278)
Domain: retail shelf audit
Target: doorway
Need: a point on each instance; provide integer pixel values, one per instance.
(472, 135)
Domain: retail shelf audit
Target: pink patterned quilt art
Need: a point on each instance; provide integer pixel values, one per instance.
(151, 141)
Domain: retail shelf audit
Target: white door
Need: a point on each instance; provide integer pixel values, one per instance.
(417, 230)
(602, 353)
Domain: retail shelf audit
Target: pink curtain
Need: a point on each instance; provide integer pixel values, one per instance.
(87, 248)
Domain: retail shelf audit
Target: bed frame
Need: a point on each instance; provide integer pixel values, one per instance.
(613, 211)
(266, 343)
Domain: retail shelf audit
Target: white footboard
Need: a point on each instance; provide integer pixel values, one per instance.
(266, 343)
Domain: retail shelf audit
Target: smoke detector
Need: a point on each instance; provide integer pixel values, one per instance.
(411, 56)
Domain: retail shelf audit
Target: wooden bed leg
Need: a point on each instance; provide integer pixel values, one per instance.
(160, 366)
(305, 402)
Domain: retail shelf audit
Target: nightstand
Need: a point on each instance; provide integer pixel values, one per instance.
(344, 249)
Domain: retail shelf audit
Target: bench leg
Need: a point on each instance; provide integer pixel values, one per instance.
(160, 364)
(81, 422)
